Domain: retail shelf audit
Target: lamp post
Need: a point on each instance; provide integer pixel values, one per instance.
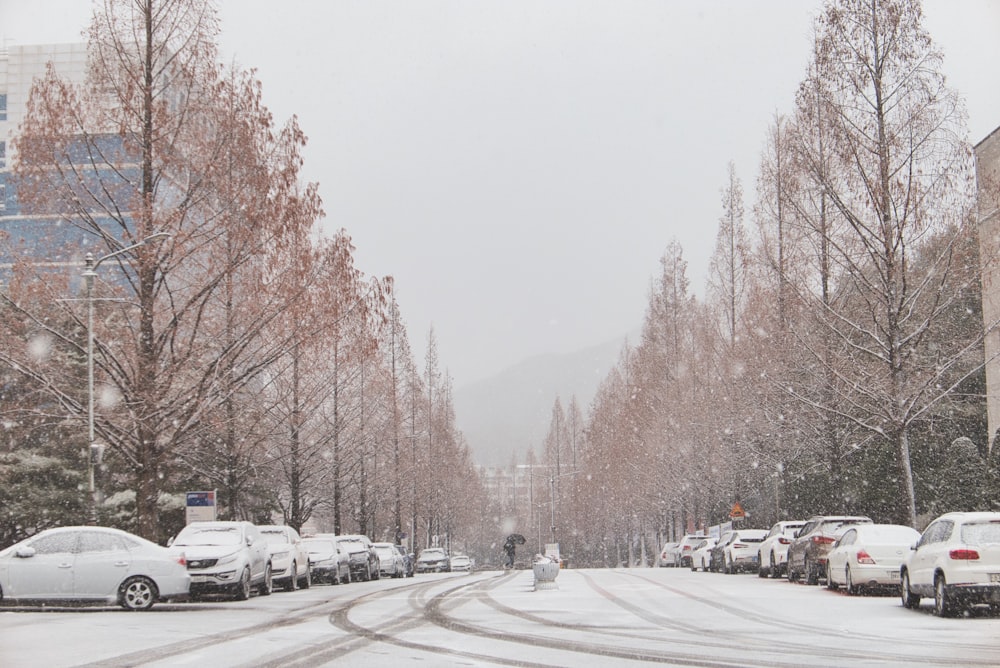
(94, 449)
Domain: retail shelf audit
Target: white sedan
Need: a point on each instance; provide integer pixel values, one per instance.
(869, 555)
(91, 565)
(390, 560)
(289, 557)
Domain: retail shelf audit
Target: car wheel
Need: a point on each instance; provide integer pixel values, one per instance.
(943, 605)
(761, 571)
(811, 576)
(830, 584)
(267, 586)
(910, 600)
(137, 593)
(293, 579)
(307, 580)
(849, 585)
(243, 588)
(774, 571)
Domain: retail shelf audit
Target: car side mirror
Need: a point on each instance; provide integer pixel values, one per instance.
(25, 552)
(249, 541)
(170, 541)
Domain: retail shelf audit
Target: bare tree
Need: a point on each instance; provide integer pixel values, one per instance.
(896, 171)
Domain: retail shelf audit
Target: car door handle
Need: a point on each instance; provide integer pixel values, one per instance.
(122, 564)
(65, 565)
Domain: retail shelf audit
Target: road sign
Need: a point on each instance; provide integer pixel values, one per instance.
(200, 507)
(737, 512)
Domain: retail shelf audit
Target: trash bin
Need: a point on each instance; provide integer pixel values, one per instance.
(545, 574)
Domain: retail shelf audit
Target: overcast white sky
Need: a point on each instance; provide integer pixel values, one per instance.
(519, 166)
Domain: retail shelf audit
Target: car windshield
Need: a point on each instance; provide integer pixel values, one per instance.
(313, 545)
(981, 533)
(275, 537)
(385, 551)
(353, 545)
(432, 554)
(208, 536)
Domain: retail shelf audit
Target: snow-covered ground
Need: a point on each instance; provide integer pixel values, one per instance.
(594, 618)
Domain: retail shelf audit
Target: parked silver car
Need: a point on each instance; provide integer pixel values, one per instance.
(327, 562)
(289, 558)
(391, 562)
(92, 565)
(433, 560)
(225, 558)
(956, 561)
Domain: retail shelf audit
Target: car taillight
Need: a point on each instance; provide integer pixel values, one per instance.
(822, 540)
(182, 560)
(784, 541)
(865, 558)
(687, 547)
(739, 545)
(964, 554)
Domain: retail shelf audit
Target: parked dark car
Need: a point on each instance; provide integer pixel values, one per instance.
(807, 553)
(362, 556)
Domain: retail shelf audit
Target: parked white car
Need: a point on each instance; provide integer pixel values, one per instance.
(91, 565)
(390, 561)
(460, 562)
(225, 557)
(668, 556)
(289, 558)
(772, 555)
(685, 546)
(739, 553)
(956, 561)
(701, 554)
(869, 556)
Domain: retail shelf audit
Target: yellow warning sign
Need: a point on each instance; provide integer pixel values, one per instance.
(737, 512)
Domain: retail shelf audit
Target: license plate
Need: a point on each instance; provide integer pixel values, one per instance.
(893, 575)
(199, 578)
(995, 578)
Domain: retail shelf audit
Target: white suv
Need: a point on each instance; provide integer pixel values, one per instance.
(956, 561)
(225, 557)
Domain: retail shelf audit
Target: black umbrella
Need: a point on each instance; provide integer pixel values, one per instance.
(515, 539)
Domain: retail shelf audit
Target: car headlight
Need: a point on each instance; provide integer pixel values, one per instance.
(228, 559)
(281, 555)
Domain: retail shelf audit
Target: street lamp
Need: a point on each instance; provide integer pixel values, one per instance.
(95, 450)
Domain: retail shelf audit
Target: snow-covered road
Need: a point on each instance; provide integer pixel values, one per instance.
(594, 618)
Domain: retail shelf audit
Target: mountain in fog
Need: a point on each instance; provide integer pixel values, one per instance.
(510, 412)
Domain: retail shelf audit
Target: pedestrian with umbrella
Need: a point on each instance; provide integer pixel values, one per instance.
(509, 547)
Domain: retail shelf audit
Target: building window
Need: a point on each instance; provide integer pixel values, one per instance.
(3, 196)
(3, 106)
(3, 154)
